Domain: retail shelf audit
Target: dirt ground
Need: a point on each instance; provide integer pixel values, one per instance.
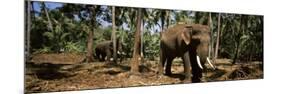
(66, 71)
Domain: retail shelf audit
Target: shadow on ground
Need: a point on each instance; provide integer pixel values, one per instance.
(46, 71)
(219, 73)
(178, 76)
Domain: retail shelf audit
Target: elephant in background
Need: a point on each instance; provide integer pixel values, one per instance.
(104, 50)
(190, 43)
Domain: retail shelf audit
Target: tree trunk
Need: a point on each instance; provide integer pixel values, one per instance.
(251, 53)
(90, 47)
(238, 42)
(89, 57)
(211, 53)
(142, 49)
(28, 29)
(162, 18)
(136, 53)
(211, 41)
(50, 26)
(218, 37)
(32, 9)
(167, 18)
(114, 35)
(236, 52)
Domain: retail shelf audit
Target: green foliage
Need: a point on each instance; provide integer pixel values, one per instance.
(37, 29)
(56, 38)
(128, 43)
(248, 41)
(72, 23)
(151, 45)
(77, 47)
(43, 50)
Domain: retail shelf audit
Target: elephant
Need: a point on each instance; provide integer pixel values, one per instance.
(199, 49)
(104, 50)
(190, 42)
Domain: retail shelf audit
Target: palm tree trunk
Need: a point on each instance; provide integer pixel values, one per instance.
(241, 28)
(236, 52)
(142, 49)
(32, 10)
(28, 29)
(89, 56)
(218, 37)
(162, 18)
(136, 53)
(210, 25)
(167, 18)
(48, 17)
(211, 49)
(89, 47)
(114, 34)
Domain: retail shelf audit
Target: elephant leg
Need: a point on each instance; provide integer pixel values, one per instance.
(186, 63)
(102, 57)
(196, 70)
(162, 62)
(108, 55)
(120, 56)
(168, 66)
(99, 55)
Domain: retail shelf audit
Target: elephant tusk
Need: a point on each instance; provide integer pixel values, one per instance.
(209, 62)
(198, 62)
(111, 59)
(118, 52)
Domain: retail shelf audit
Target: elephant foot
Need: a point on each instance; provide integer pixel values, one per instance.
(187, 78)
(168, 73)
(196, 80)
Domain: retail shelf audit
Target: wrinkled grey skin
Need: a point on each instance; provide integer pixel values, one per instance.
(174, 43)
(187, 42)
(199, 46)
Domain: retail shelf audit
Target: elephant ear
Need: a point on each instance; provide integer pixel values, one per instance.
(186, 34)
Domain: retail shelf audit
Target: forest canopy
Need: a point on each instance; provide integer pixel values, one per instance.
(65, 28)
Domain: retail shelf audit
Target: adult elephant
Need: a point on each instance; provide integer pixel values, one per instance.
(104, 50)
(190, 43)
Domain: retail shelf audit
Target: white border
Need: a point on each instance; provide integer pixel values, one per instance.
(11, 49)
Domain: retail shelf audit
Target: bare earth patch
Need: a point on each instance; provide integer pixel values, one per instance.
(64, 72)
